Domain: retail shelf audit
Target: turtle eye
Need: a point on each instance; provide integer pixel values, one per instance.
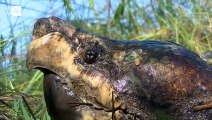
(91, 56)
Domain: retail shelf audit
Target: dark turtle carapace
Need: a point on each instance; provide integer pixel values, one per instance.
(88, 77)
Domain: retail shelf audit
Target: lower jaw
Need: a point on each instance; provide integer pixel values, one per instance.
(71, 105)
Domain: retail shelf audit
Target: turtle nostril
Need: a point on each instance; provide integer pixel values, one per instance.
(39, 24)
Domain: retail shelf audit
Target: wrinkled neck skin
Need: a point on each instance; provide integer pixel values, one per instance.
(129, 77)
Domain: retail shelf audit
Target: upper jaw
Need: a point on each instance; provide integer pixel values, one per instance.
(52, 52)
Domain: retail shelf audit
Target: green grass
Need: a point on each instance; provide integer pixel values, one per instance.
(188, 23)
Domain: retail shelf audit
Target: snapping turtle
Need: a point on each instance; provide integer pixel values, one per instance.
(90, 77)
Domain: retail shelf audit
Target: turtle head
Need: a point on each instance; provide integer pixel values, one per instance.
(96, 69)
(81, 59)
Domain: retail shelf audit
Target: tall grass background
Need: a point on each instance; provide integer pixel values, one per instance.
(185, 22)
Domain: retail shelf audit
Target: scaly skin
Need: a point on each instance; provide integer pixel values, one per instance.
(117, 79)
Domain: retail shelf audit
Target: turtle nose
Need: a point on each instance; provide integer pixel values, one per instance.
(39, 23)
(46, 25)
(40, 28)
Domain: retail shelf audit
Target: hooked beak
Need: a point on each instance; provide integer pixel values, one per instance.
(52, 52)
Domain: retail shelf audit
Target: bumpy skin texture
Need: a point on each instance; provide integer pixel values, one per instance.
(119, 80)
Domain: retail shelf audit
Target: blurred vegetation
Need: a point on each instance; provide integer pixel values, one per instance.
(186, 22)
